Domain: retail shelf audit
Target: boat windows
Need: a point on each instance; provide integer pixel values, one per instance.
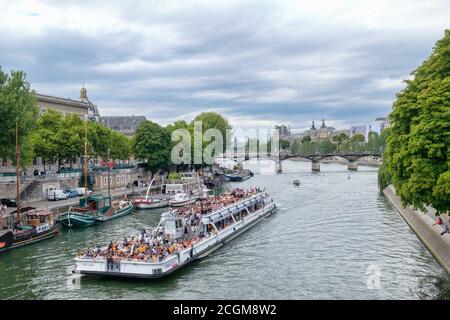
(156, 271)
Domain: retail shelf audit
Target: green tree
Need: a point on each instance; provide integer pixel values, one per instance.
(342, 141)
(213, 120)
(45, 137)
(306, 139)
(295, 147)
(70, 140)
(99, 138)
(284, 144)
(326, 147)
(357, 138)
(152, 144)
(374, 142)
(17, 104)
(417, 155)
(183, 125)
(120, 146)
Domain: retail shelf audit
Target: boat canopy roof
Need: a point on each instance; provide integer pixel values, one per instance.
(94, 197)
(97, 196)
(39, 213)
(232, 209)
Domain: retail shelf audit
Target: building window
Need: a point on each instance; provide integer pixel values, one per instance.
(122, 179)
(105, 181)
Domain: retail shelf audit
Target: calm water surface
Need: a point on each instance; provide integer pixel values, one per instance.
(332, 238)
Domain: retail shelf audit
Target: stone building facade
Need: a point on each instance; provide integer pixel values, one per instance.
(126, 125)
(321, 133)
(82, 107)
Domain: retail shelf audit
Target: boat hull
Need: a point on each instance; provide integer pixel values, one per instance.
(234, 178)
(76, 220)
(117, 214)
(181, 203)
(145, 205)
(143, 270)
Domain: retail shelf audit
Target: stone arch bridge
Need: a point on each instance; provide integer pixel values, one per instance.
(352, 158)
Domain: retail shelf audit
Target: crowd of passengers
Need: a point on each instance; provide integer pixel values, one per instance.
(211, 204)
(156, 246)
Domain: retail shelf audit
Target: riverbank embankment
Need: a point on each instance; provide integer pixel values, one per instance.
(422, 225)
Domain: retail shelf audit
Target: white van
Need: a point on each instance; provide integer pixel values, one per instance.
(80, 191)
(56, 195)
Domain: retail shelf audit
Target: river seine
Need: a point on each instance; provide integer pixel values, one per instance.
(333, 237)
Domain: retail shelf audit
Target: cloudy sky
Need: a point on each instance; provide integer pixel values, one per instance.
(258, 62)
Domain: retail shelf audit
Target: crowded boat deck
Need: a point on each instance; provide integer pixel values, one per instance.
(182, 235)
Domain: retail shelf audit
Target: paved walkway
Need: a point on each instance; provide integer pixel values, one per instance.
(422, 225)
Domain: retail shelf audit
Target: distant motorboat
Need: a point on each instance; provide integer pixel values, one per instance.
(296, 182)
(238, 176)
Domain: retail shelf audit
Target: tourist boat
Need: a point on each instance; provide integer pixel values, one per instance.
(182, 199)
(147, 202)
(34, 225)
(237, 176)
(213, 231)
(189, 183)
(94, 209)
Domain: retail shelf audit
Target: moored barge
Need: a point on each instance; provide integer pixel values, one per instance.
(34, 225)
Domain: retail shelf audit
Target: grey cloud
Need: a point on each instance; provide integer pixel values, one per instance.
(246, 60)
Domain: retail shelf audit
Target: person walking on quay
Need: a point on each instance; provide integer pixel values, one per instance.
(445, 230)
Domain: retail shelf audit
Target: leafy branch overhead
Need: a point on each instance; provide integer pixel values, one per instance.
(417, 158)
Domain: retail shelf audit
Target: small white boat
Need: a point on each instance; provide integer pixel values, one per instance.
(181, 199)
(146, 202)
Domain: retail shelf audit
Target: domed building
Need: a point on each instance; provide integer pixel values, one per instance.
(93, 113)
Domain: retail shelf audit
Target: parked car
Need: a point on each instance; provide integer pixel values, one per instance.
(80, 191)
(56, 195)
(9, 202)
(71, 193)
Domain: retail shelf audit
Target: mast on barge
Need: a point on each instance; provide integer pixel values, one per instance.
(17, 173)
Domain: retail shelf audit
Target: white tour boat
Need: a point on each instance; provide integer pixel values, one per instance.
(182, 199)
(148, 202)
(212, 230)
(189, 183)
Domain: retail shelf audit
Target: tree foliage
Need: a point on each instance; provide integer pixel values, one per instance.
(152, 144)
(60, 139)
(212, 120)
(417, 155)
(17, 104)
